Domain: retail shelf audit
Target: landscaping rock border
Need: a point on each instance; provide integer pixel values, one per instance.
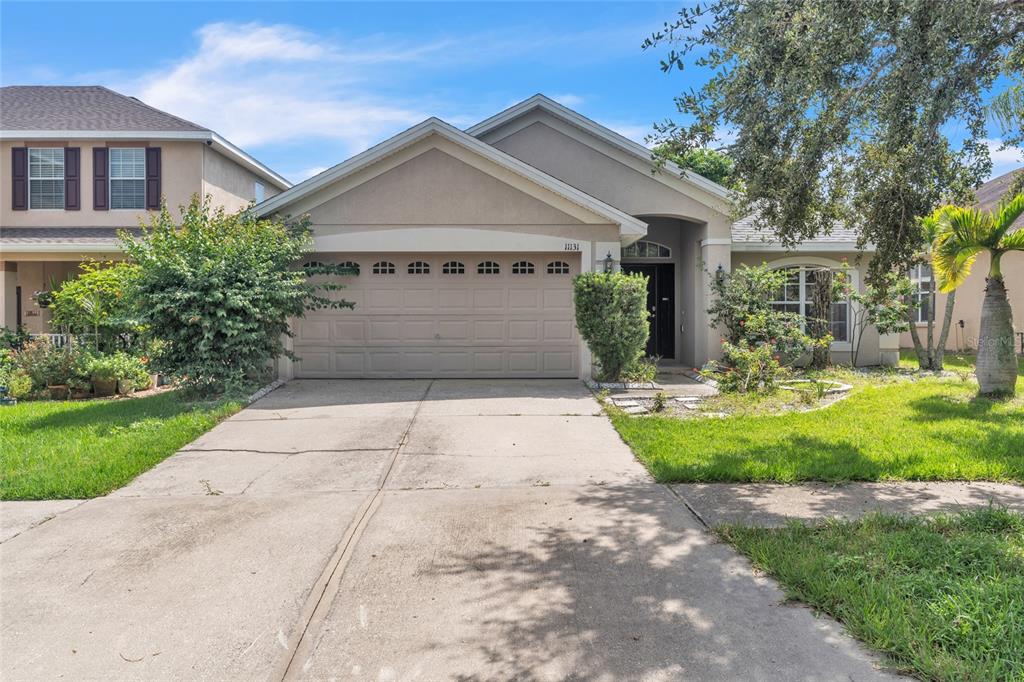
(272, 386)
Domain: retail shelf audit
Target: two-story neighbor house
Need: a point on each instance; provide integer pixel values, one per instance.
(80, 163)
(463, 245)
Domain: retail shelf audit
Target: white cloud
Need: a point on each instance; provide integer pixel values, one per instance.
(307, 173)
(637, 133)
(1004, 160)
(258, 84)
(569, 100)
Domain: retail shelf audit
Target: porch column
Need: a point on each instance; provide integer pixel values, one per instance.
(716, 252)
(8, 299)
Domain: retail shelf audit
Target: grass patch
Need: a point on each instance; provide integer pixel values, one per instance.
(77, 450)
(890, 428)
(942, 596)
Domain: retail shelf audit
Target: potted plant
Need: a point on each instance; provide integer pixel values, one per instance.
(103, 373)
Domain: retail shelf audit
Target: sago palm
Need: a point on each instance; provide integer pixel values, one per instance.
(970, 232)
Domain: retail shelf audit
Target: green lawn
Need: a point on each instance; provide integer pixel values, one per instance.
(942, 596)
(928, 429)
(53, 450)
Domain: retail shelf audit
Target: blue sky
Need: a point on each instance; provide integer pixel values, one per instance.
(303, 86)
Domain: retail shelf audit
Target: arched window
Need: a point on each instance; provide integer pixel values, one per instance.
(419, 268)
(453, 267)
(523, 267)
(488, 267)
(558, 267)
(795, 297)
(351, 266)
(646, 249)
(312, 264)
(383, 268)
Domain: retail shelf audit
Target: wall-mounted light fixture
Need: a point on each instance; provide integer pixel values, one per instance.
(609, 262)
(719, 274)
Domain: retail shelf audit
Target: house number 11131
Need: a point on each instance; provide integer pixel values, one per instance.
(572, 246)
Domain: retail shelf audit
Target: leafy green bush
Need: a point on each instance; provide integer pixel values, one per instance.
(99, 301)
(218, 291)
(745, 368)
(13, 339)
(119, 366)
(611, 314)
(642, 371)
(47, 365)
(743, 307)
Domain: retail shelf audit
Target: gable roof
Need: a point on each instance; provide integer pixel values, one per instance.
(86, 107)
(747, 236)
(992, 192)
(70, 112)
(435, 126)
(599, 131)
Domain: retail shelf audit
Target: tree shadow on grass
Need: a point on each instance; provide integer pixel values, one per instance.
(109, 414)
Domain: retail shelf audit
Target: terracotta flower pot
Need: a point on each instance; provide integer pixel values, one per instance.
(104, 387)
(58, 392)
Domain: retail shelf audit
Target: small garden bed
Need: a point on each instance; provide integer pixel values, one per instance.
(942, 596)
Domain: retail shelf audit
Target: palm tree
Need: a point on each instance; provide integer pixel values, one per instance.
(969, 232)
(931, 357)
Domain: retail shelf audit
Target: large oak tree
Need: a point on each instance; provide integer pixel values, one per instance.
(868, 113)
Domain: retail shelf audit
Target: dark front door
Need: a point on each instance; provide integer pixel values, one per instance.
(661, 287)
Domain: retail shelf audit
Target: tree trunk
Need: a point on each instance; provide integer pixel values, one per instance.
(997, 363)
(923, 359)
(821, 299)
(947, 319)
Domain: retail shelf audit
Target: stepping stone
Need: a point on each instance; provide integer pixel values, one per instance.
(690, 406)
(688, 398)
(635, 409)
(625, 403)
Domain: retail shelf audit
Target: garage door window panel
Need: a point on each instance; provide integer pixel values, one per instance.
(383, 268)
(453, 267)
(488, 267)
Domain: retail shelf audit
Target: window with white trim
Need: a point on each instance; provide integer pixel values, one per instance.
(351, 266)
(646, 249)
(127, 177)
(453, 267)
(46, 177)
(523, 267)
(383, 268)
(259, 192)
(923, 281)
(558, 267)
(419, 268)
(795, 297)
(488, 267)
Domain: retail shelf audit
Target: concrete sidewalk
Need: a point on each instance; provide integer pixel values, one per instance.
(773, 504)
(402, 530)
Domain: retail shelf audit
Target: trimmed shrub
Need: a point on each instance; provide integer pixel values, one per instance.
(746, 369)
(611, 315)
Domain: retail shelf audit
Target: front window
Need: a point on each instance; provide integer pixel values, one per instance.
(795, 296)
(46, 178)
(924, 292)
(259, 192)
(128, 177)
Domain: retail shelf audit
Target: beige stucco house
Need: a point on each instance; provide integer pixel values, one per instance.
(466, 242)
(963, 336)
(80, 163)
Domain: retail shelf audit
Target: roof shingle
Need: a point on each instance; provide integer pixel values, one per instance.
(86, 107)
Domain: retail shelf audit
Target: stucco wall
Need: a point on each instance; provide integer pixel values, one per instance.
(229, 184)
(624, 182)
(36, 276)
(967, 305)
(181, 167)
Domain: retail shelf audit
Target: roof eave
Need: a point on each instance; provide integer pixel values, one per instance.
(610, 136)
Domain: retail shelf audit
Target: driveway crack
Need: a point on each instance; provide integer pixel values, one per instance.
(322, 594)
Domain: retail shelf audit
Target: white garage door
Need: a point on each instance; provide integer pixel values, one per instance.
(465, 315)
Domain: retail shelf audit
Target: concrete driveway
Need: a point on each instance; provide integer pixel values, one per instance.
(401, 530)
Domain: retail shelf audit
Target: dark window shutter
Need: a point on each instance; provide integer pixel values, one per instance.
(72, 179)
(19, 178)
(100, 178)
(153, 177)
